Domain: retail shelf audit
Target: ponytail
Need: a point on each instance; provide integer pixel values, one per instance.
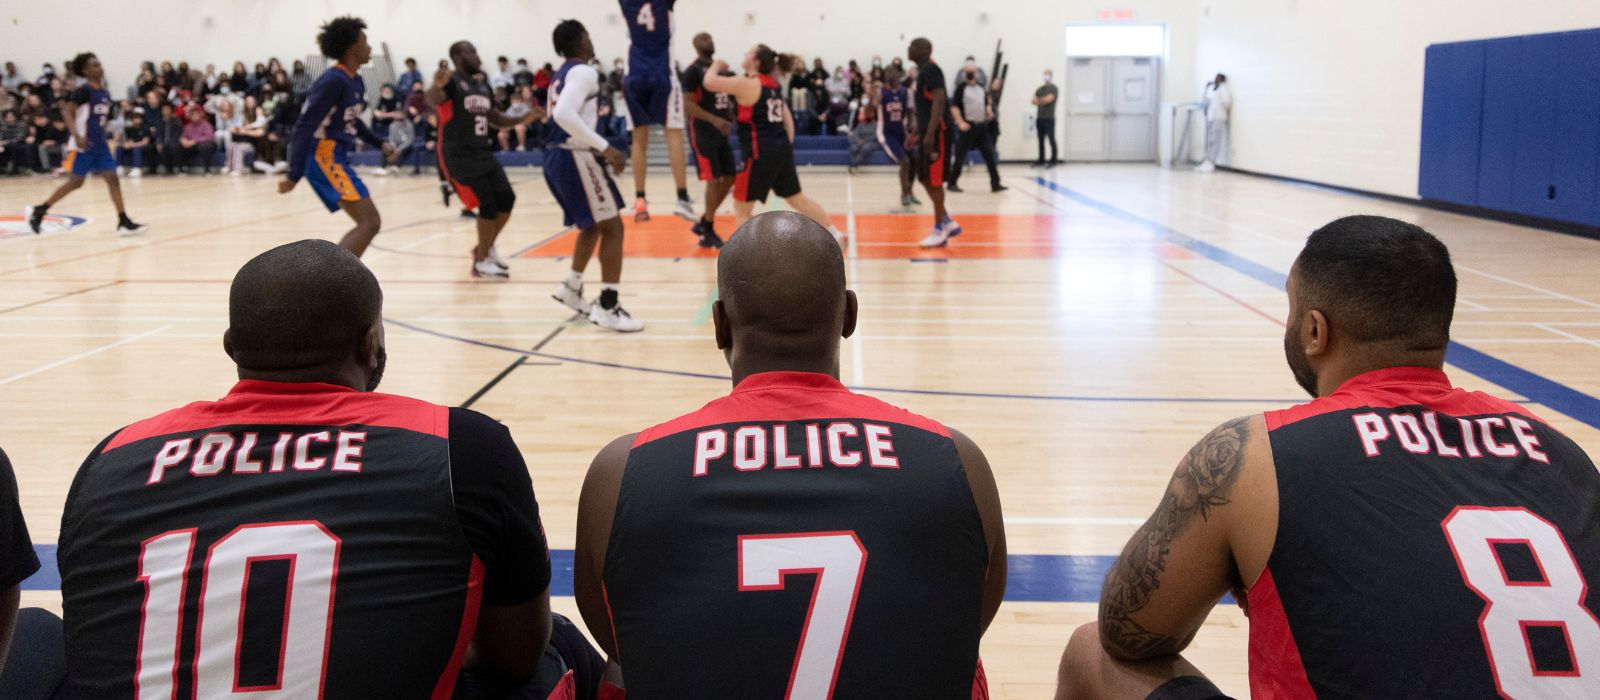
(768, 61)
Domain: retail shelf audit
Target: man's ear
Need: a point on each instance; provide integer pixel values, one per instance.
(372, 344)
(851, 308)
(1314, 333)
(719, 322)
(227, 342)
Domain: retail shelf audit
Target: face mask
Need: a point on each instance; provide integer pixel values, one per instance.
(877, 63)
(1047, 77)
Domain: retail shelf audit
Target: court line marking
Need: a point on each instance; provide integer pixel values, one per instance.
(58, 297)
(1572, 336)
(865, 389)
(1537, 388)
(81, 355)
(520, 361)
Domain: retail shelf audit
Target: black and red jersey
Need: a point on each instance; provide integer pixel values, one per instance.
(1431, 542)
(795, 539)
(718, 103)
(304, 539)
(761, 125)
(464, 125)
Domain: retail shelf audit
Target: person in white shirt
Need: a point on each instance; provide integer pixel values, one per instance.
(501, 77)
(1219, 101)
(573, 168)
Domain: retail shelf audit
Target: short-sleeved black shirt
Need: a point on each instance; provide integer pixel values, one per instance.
(929, 79)
(17, 560)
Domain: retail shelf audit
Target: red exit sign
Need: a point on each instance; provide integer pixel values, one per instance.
(1114, 15)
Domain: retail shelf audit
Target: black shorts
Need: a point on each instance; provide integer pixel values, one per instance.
(481, 186)
(931, 164)
(1188, 688)
(773, 171)
(713, 155)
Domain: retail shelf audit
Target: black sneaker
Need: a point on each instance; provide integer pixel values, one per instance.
(129, 227)
(36, 217)
(998, 188)
(952, 188)
(467, 214)
(445, 191)
(708, 236)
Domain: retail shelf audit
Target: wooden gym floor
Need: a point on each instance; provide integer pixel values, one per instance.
(1090, 325)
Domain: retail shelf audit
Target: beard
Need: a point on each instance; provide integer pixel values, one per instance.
(377, 372)
(1295, 354)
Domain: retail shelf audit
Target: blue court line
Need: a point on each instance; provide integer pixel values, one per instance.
(1536, 388)
(865, 389)
(1031, 578)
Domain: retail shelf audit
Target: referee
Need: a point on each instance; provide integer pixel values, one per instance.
(466, 110)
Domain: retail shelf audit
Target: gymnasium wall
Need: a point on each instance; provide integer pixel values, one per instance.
(218, 31)
(1332, 91)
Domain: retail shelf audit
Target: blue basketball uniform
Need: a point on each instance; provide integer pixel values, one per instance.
(328, 126)
(576, 176)
(94, 108)
(893, 125)
(651, 87)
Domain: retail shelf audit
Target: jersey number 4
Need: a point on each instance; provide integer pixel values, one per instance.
(1542, 608)
(312, 553)
(838, 560)
(646, 18)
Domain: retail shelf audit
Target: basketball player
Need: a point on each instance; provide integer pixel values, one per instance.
(589, 198)
(935, 148)
(465, 106)
(891, 104)
(693, 535)
(766, 136)
(17, 558)
(713, 116)
(653, 96)
(329, 123)
(1398, 537)
(302, 534)
(86, 110)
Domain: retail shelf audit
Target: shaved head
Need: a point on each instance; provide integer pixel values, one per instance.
(782, 292)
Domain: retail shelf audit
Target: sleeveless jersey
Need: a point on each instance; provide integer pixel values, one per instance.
(254, 544)
(1431, 542)
(762, 123)
(464, 122)
(796, 511)
(555, 136)
(894, 109)
(649, 36)
(94, 109)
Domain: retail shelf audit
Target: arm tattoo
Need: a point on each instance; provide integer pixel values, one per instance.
(1200, 485)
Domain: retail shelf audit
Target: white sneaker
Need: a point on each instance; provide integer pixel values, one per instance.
(136, 172)
(262, 166)
(494, 256)
(1205, 167)
(614, 318)
(394, 170)
(235, 173)
(488, 269)
(571, 298)
(951, 228)
(121, 171)
(685, 211)
(379, 171)
(124, 230)
(937, 239)
(281, 166)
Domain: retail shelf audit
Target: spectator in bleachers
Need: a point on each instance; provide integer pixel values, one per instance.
(837, 112)
(259, 78)
(541, 84)
(168, 138)
(417, 103)
(386, 111)
(12, 78)
(300, 79)
(857, 81)
(817, 87)
(516, 137)
(13, 138)
(281, 85)
(864, 135)
(210, 78)
(275, 149)
(198, 139)
(226, 120)
(238, 78)
(242, 139)
(500, 77)
(273, 66)
(412, 75)
(50, 133)
(523, 77)
(133, 146)
(422, 144)
(614, 79)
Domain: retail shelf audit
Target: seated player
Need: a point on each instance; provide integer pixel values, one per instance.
(793, 535)
(34, 667)
(303, 534)
(766, 135)
(1398, 537)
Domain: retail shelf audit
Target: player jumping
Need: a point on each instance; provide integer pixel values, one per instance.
(653, 97)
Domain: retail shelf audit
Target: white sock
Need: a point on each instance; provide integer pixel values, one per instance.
(609, 287)
(575, 280)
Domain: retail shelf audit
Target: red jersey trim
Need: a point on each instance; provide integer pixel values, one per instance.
(786, 397)
(253, 402)
(767, 81)
(446, 686)
(1276, 669)
(1395, 387)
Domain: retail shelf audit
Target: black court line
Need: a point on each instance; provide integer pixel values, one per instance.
(58, 297)
(520, 361)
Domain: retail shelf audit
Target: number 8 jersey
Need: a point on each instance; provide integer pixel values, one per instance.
(1431, 542)
(294, 541)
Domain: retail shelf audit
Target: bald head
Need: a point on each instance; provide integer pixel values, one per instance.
(782, 291)
(303, 308)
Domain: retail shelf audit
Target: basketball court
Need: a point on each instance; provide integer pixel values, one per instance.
(1088, 327)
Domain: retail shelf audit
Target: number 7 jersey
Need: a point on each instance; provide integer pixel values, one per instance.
(1431, 542)
(796, 540)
